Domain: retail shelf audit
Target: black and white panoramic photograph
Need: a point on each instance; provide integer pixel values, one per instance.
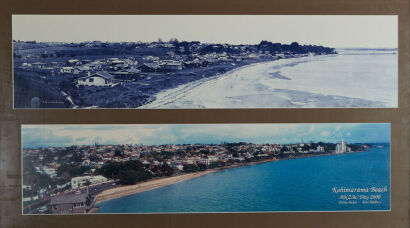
(204, 61)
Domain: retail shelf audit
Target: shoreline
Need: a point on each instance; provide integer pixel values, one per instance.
(200, 82)
(268, 85)
(122, 191)
(127, 190)
(208, 73)
(185, 95)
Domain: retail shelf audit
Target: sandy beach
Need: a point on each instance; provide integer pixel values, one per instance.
(305, 82)
(148, 185)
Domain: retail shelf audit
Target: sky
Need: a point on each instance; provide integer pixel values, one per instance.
(378, 31)
(156, 134)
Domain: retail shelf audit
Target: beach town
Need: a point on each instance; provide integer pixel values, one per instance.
(128, 74)
(72, 179)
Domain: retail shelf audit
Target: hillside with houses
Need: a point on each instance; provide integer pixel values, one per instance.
(128, 74)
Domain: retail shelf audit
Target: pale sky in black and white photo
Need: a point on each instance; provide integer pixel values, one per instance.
(334, 31)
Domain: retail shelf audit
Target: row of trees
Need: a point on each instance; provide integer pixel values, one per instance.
(294, 47)
(182, 47)
(131, 172)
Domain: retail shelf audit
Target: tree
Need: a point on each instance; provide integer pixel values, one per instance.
(190, 168)
(118, 152)
(168, 170)
(305, 147)
(28, 166)
(313, 145)
(94, 157)
(110, 169)
(49, 157)
(68, 171)
(173, 40)
(284, 148)
(76, 157)
(129, 172)
(163, 170)
(64, 171)
(201, 167)
(127, 177)
(38, 181)
(133, 165)
(294, 45)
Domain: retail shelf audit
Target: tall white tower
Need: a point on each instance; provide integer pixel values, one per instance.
(341, 147)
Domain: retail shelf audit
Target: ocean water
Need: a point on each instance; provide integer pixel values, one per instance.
(349, 79)
(303, 184)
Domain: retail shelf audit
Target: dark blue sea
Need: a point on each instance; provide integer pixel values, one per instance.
(303, 184)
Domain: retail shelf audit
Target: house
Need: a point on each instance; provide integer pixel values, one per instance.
(49, 171)
(77, 182)
(97, 64)
(39, 65)
(168, 45)
(130, 62)
(69, 70)
(150, 58)
(82, 69)
(180, 167)
(97, 79)
(280, 56)
(79, 203)
(26, 187)
(86, 162)
(26, 65)
(320, 149)
(172, 66)
(118, 64)
(149, 67)
(74, 62)
(133, 70)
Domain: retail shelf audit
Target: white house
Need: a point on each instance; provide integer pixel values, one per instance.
(320, 149)
(39, 65)
(49, 171)
(26, 187)
(81, 181)
(97, 79)
(74, 62)
(180, 167)
(69, 70)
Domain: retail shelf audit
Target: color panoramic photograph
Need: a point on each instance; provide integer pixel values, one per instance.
(205, 61)
(205, 168)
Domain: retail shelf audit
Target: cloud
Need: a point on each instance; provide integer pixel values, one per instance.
(42, 137)
(63, 135)
(324, 133)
